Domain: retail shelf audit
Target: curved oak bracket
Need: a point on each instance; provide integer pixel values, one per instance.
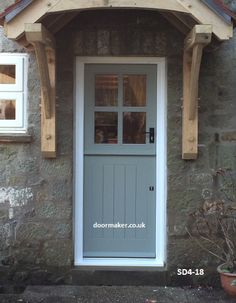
(44, 46)
(194, 43)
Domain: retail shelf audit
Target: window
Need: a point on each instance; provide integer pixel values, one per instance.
(13, 86)
(116, 98)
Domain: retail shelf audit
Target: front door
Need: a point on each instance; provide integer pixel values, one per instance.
(119, 208)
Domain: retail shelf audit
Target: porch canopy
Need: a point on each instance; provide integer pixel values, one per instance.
(33, 23)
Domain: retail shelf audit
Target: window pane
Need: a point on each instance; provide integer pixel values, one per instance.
(106, 127)
(7, 109)
(7, 74)
(134, 126)
(106, 90)
(134, 90)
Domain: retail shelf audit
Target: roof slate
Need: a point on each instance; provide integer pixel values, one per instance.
(19, 6)
(212, 4)
(13, 10)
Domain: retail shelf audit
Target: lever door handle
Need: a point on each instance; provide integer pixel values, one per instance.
(151, 134)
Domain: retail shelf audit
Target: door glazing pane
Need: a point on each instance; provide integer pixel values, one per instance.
(134, 126)
(106, 124)
(106, 90)
(134, 90)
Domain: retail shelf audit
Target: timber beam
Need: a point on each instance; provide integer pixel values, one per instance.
(194, 43)
(44, 46)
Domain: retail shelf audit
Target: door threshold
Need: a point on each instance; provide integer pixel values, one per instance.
(120, 262)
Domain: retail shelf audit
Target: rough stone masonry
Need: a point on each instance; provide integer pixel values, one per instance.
(36, 205)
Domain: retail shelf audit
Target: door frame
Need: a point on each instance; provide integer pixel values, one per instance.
(161, 165)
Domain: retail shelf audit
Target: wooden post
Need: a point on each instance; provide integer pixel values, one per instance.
(197, 39)
(194, 77)
(44, 77)
(44, 46)
(190, 127)
(48, 131)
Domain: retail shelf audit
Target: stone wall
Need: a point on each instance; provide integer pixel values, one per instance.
(36, 194)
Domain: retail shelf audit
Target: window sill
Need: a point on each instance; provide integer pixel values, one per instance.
(15, 138)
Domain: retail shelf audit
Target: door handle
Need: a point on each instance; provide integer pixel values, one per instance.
(151, 134)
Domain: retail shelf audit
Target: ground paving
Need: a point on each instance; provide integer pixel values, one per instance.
(118, 294)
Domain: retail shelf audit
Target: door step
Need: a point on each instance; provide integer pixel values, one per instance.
(114, 277)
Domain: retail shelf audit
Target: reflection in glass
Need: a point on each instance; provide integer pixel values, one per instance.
(106, 90)
(7, 109)
(134, 90)
(134, 126)
(106, 127)
(7, 74)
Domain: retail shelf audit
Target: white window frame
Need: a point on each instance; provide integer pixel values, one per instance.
(161, 176)
(16, 91)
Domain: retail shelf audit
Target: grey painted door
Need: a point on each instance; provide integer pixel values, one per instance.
(120, 161)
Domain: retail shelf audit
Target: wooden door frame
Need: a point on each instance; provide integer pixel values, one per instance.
(161, 177)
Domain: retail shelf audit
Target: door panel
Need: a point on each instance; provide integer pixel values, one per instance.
(117, 190)
(119, 161)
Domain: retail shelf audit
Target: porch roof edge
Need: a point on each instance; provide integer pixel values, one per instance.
(41, 8)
